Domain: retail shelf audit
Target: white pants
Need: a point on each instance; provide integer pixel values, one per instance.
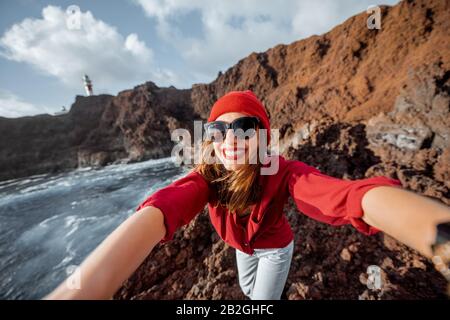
(262, 276)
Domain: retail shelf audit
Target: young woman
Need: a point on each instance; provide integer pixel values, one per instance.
(246, 208)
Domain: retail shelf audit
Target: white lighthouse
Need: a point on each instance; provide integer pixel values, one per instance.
(87, 85)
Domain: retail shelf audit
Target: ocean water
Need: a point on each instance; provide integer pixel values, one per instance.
(50, 222)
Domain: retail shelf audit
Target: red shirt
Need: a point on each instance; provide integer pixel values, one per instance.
(327, 199)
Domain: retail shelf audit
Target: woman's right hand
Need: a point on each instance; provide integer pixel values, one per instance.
(116, 258)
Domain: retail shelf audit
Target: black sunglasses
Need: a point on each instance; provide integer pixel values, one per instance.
(243, 128)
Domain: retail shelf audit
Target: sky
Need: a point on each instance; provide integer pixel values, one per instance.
(47, 46)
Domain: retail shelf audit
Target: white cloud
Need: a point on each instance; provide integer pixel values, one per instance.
(233, 29)
(113, 62)
(12, 106)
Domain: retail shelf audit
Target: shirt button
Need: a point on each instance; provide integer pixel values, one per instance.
(246, 244)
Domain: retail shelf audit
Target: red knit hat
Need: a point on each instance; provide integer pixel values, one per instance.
(244, 102)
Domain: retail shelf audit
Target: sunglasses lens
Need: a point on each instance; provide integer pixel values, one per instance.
(215, 131)
(245, 127)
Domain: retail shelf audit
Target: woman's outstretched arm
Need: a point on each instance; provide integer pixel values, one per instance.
(117, 257)
(370, 205)
(405, 215)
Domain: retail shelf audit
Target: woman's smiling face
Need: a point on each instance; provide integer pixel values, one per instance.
(233, 152)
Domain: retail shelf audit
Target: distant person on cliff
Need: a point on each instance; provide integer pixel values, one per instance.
(246, 208)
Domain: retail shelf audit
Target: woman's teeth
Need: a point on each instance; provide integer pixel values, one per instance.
(233, 153)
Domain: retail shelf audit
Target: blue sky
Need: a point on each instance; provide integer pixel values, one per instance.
(123, 43)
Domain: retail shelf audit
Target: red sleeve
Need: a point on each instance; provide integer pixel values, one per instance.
(179, 202)
(332, 200)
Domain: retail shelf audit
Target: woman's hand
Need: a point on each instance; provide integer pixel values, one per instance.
(405, 215)
(117, 257)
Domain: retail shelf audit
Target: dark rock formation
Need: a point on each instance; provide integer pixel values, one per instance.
(134, 125)
(46, 143)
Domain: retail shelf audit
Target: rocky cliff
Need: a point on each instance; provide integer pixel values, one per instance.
(359, 96)
(98, 130)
